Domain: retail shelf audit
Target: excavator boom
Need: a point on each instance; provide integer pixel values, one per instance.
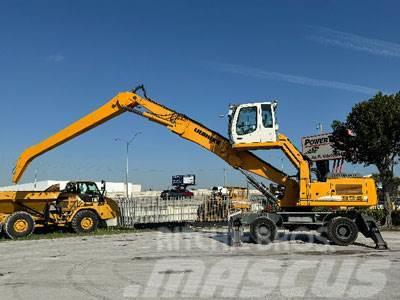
(112, 109)
(176, 122)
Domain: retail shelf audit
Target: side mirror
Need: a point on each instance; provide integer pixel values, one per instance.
(276, 126)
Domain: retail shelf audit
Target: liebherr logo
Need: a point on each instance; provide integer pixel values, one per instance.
(207, 136)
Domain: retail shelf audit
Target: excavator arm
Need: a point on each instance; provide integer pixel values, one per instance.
(176, 122)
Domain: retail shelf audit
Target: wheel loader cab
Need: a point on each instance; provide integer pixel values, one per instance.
(86, 190)
(253, 123)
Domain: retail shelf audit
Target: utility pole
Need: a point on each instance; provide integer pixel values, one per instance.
(320, 128)
(127, 170)
(248, 190)
(128, 143)
(225, 178)
(35, 181)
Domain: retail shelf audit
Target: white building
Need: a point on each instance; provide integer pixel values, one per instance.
(113, 189)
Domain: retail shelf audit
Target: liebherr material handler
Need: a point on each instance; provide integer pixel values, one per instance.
(252, 126)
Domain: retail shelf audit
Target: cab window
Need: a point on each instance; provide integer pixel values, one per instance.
(82, 188)
(266, 114)
(92, 188)
(247, 120)
(88, 188)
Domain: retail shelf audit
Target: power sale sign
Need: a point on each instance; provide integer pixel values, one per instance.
(319, 147)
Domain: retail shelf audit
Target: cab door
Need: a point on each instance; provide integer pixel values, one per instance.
(267, 128)
(245, 124)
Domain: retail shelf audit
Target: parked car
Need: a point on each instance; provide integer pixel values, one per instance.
(176, 193)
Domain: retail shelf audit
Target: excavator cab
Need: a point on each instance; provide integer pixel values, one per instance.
(253, 123)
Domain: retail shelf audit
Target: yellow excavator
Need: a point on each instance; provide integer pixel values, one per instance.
(252, 126)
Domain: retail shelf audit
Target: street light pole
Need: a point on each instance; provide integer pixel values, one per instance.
(225, 178)
(128, 143)
(320, 128)
(127, 171)
(35, 182)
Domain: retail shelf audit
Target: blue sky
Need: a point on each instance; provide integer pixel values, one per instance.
(61, 59)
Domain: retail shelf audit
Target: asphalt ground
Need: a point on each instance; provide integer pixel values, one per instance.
(162, 264)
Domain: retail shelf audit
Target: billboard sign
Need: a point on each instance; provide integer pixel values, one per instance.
(319, 147)
(184, 179)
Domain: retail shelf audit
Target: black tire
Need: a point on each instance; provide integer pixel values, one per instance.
(102, 224)
(342, 231)
(85, 221)
(262, 230)
(19, 224)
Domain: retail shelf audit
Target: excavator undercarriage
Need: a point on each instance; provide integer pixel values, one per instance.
(340, 227)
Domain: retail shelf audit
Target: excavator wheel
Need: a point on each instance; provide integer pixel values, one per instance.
(19, 224)
(342, 231)
(85, 221)
(262, 230)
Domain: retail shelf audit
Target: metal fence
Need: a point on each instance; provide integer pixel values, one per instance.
(151, 210)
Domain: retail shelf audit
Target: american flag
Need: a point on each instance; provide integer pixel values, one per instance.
(350, 132)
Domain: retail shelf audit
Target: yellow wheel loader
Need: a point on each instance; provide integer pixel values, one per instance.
(80, 206)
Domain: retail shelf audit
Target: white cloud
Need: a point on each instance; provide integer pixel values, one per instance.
(301, 80)
(347, 40)
(55, 58)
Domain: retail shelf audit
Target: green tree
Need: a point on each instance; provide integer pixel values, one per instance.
(371, 136)
(395, 186)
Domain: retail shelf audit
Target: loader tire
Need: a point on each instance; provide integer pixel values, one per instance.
(262, 230)
(342, 231)
(19, 224)
(85, 221)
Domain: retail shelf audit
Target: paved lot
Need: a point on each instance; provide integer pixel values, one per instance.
(196, 265)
